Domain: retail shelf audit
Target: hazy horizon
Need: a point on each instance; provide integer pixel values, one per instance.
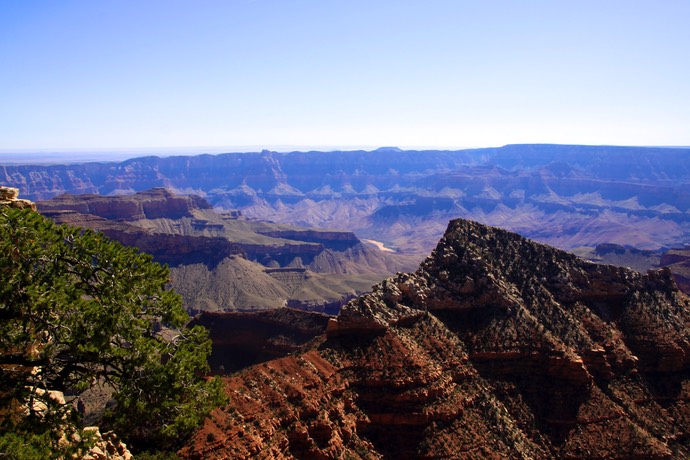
(71, 156)
(141, 75)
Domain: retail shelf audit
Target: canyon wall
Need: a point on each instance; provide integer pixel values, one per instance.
(221, 261)
(567, 196)
(496, 346)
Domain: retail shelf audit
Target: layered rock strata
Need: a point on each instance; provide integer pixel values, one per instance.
(222, 261)
(570, 196)
(9, 199)
(496, 347)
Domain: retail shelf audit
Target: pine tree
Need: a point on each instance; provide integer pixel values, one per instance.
(76, 309)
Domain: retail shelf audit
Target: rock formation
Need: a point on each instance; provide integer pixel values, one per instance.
(8, 198)
(496, 347)
(222, 261)
(157, 203)
(102, 446)
(107, 446)
(568, 196)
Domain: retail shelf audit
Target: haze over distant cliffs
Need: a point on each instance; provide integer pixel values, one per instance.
(222, 261)
(567, 196)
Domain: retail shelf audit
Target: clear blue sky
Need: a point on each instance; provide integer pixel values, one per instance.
(119, 74)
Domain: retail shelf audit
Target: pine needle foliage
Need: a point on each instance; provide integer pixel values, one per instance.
(77, 308)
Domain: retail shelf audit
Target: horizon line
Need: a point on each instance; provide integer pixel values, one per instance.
(297, 147)
(86, 155)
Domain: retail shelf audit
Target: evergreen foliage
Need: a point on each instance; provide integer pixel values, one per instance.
(76, 309)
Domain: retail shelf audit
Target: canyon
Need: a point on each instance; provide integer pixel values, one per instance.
(221, 261)
(568, 196)
(496, 347)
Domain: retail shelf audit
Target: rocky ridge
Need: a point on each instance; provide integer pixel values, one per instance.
(496, 346)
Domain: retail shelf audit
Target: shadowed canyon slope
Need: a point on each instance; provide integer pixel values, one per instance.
(222, 261)
(567, 196)
(496, 347)
(678, 261)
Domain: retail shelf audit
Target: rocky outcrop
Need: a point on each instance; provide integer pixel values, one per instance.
(97, 445)
(157, 203)
(107, 446)
(496, 346)
(8, 198)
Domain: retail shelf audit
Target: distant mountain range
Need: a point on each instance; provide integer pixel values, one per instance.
(565, 195)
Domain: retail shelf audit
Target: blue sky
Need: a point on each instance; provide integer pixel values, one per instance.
(241, 74)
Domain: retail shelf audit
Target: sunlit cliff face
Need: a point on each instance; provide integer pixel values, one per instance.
(496, 346)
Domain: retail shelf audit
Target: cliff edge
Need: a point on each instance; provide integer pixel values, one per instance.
(496, 346)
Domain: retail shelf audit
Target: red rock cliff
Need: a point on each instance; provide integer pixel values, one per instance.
(496, 347)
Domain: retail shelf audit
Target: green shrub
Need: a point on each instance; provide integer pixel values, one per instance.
(77, 308)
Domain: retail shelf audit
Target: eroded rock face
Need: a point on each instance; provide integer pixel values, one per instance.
(9, 198)
(496, 347)
(156, 203)
(223, 261)
(107, 446)
(565, 195)
(166, 248)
